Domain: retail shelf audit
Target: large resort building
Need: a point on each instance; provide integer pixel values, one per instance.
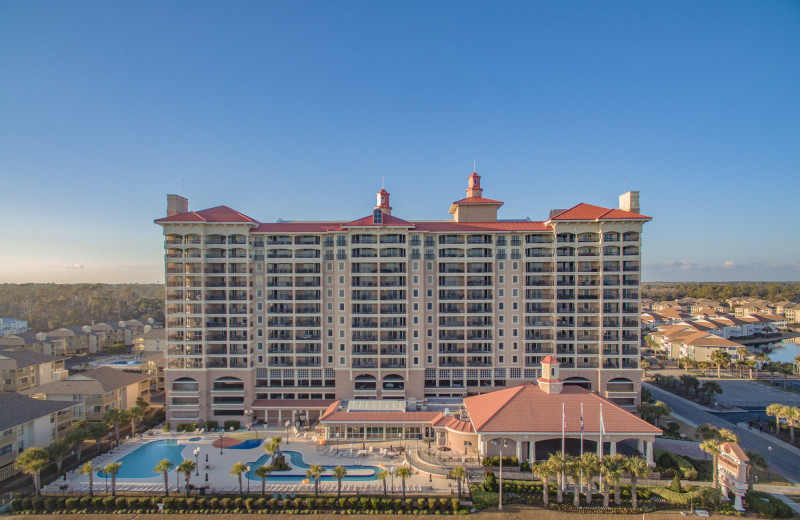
(275, 322)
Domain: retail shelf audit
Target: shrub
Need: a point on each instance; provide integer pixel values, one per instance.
(525, 466)
(238, 503)
(38, 503)
(673, 460)
(455, 505)
(72, 502)
(297, 503)
(273, 503)
(211, 425)
(50, 503)
(231, 423)
(121, 503)
(495, 461)
(676, 485)
(490, 482)
(364, 503)
(225, 503)
(97, 502)
(767, 505)
(84, 502)
(191, 503)
(169, 503)
(109, 503)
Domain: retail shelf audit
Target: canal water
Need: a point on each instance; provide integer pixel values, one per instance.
(783, 352)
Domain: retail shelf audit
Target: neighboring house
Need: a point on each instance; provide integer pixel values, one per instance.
(32, 341)
(27, 422)
(150, 340)
(792, 313)
(97, 391)
(23, 369)
(12, 326)
(72, 341)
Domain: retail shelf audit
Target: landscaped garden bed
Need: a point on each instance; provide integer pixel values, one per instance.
(234, 505)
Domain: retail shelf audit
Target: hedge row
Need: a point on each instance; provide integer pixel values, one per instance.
(767, 505)
(673, 460)
(87, 504)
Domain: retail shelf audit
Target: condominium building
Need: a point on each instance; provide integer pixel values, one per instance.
(276, 320)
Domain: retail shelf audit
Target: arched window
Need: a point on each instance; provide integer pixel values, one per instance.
(377, 216)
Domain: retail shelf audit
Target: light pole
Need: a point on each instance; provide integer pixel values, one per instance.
(502, 445)
(248, 479)
(221, 434)
(337, 442)
(249, 413)
(391, 472)
(197, 460)
(769, 463)
(286, 425)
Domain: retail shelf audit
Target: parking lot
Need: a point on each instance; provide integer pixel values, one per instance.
(749, 393)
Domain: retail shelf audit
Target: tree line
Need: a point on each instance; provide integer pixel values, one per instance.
(50, 306)
(721, 291)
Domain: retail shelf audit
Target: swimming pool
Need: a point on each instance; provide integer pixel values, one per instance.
(126, 362)
(299, 467)
(140, 462)
(249, 444)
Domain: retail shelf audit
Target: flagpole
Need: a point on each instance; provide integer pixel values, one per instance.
(563, 427)
(581, 429)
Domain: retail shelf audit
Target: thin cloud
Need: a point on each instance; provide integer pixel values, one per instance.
(74, 266)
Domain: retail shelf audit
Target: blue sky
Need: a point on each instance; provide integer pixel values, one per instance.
(296, 110)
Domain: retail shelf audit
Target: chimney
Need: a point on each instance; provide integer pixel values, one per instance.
(629, 201)
(177, 205)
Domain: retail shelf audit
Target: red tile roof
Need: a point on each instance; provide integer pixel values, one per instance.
(217, 214)
(589, 212)
(388, 220)
(550, 359)
(478, 200)
(507, 225)
(296, 227)
(527, 408)
(454, 424)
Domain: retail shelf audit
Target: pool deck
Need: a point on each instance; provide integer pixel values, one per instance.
(216, 473)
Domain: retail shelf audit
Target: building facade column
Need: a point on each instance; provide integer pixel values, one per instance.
(649, 455)
(519, 450)
(737, 503)
(612, 447)
(640, 446)
(533, 451)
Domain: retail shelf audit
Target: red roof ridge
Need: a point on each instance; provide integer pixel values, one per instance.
(500, 404)
(584, 211)
(550, 359)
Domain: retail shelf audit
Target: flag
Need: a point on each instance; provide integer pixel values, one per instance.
(602, 424)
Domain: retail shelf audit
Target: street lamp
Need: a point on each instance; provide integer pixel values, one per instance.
(249, 413)
(286, 425)
(221, 434)
(769, 463)
(502, 445)
(248, 479)
(197, 460)
(391, 472)
(337, 442)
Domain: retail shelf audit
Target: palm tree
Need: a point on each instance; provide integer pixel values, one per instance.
(88, 469)
(404, 472)
(459, 473)
(58, 451)
(32, 461)
(637, 467)
(612, 471)
(134, 415)
(113, 417)
(315, 471)
(339, 472)
(710, 388)
(112, 469)
(97, 431)
(574, 470)
(559, 465)
(164, 467)
(771, 368)
(659, 410)
(757, 460)
(786, 369)
(544, 470)
(382, 476)
(645, 366)
(711, 444)
(792, 416)
(186, 467)
(273, 448)
(76, 436)
(590, 465)
(721, 359)
(263, 472)
(778, 411)
(238, 469)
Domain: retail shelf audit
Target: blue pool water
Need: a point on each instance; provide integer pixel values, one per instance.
(194, 439)
(126, 362)
(246, 445)
(140, 462)
(298, 471)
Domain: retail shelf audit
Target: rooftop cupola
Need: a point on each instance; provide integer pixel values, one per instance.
(474, 187)
(549, 383)
(475, 208)
(383, 202)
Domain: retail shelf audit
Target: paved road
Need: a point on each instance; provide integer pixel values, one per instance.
(783, 461)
